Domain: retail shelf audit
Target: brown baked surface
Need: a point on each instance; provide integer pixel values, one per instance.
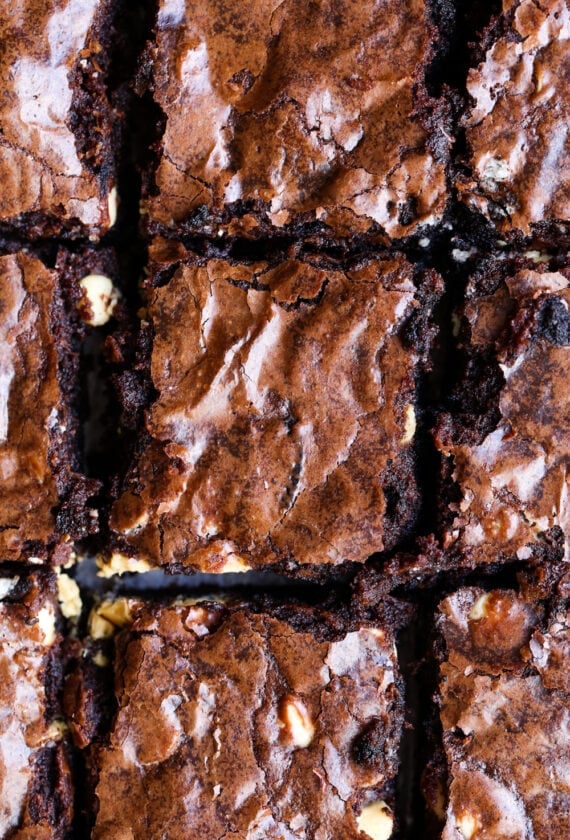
(506, 449)
(518, 151)
(57, 164)
(505, 707)
(252, 723)
(36, 796)
(283, 427)
(279, 114)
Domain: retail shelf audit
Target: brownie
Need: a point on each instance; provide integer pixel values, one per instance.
(59, 131)
(257, 720)
(45, 495)
(36, 794)
(505, 444)
(517, 147)
(281, 116)
(504, 697)
(283, 426)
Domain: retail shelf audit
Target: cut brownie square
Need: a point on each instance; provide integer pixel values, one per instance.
(57, 161)
(248, 720)
(295, 113)
(44, 495)
(518, 148)
(504, 698)
(506, 444)
(36, 794)
(282, 432)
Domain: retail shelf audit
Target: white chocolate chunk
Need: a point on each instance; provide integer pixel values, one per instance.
(101, 296)
(409, 425)
(46, 622)
(294, 719)
(69, 596)
(468, 824)
(235, 565)
(113, 205)
(120, 564)
(479, 609)
(376, 821)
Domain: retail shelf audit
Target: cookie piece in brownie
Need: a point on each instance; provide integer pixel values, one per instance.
(506, 442)
(504, 696)
(57, 155)
(282, 431)
(518, 151)
(36, 796)
(279, 115)
(248, 720)
(44, 495)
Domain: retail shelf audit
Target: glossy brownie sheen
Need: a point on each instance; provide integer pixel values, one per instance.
(516, 128)
(283, 427)
(43, 494)
(36, 799)
(249, 724)
(505, 712)
(281, 113)
(56, 173)
(513, 477)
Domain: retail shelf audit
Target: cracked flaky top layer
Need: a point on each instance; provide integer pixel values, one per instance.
(505, 711)
(249, 724)
(36, 800)
(283, 427)
(32, 413)
(514, 480)
(304, 110)
(51, 173)
(517, 128)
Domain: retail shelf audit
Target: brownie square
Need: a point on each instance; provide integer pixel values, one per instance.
(504, 697)
(36, 795)
(57, 161)
(257, 721)
(518, 150)
(283, 428)
(282, 115)
(506, 442)
(44, 493)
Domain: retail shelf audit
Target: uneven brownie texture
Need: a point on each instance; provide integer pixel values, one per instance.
(36, 799)
(51, 175)
(288, 112)
(285, 408)
(517, 127)
(505, 711)
(512, 479)
(247, 724)
(44, 496)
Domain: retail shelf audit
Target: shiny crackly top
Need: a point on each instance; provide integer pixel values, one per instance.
(517, 129)
(306, 108)
(284, 394)
(27, 635)
(31, 416)
(515, 484)
(240, 725)
(505, 710)
(40, 168)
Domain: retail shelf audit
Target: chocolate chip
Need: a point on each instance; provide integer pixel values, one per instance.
(554, 322)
